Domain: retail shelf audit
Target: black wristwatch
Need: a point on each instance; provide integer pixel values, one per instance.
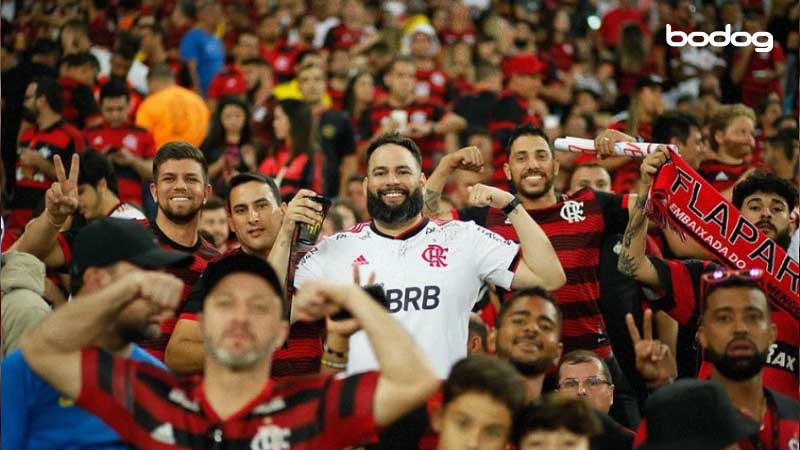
(511, 205)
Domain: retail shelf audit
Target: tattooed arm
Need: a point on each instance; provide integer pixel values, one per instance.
(468, 158)
(632, 259)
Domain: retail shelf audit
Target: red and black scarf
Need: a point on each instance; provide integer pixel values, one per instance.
(683, 200)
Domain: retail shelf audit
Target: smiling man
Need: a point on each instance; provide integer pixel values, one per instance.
(576, 224)
(432, 272)
(765, 201)
(259, 220)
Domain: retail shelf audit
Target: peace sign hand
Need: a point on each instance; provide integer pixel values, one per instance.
(654, 359)
(61, 199)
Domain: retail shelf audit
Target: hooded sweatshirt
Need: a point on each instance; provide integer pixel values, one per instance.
(22, 284)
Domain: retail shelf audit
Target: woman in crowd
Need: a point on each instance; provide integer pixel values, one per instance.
(291, 162)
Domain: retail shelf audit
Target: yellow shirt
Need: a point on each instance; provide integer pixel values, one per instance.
(174, 114)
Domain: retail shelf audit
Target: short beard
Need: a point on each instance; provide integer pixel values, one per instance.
(534, 368)
(783, 239)
(394, 215)
(548, 185)
(244, 362)
(737, 369)
(181, 219)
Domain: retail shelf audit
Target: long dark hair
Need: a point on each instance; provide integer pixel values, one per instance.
(350, 92)
(216, 132)
(301, 122)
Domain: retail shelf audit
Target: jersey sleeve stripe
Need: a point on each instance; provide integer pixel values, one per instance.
(348, 396)
(105, 372)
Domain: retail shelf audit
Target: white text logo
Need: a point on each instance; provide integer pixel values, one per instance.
(761, 40)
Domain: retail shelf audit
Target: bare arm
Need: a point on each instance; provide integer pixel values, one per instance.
(52, 349)
(61, 200)
(740, 67)
(540, 265)
(467, 158)
(185, 352)
(450, 123)
(632, 259)
(300, 209)
(407, 379)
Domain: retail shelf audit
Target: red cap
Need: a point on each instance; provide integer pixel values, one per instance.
(525, 64)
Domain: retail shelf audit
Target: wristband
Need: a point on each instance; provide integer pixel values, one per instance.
(333, 365)
(511, 205)
(327, 349)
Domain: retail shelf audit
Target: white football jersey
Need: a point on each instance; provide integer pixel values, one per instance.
(432, 276)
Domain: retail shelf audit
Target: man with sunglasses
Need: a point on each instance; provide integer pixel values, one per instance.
(763, 199)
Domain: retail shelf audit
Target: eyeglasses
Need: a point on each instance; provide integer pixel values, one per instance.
(589, 384)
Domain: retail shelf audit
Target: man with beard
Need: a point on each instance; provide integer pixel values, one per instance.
(234, 405)
(180, 186)
(576, 225)
(738, 336)
(731, 136)
(763, 199)
(49, 136)
(261, 224)
(432, 272)
(34, 415)
(529, 327)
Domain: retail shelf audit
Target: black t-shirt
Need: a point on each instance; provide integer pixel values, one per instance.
(337, 140)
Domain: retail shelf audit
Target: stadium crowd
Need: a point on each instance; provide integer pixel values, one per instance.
(290, 224)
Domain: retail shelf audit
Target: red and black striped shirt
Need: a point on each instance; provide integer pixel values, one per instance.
(721, 175)
(203, 253)
(576, 227)
(680, 280)
(60, 139)
(303, 350)
(419, 113)
(135, 139)
(151, 408)
(80, 107)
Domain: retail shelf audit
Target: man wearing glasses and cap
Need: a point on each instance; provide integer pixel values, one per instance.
(765, 201)
(35, 416)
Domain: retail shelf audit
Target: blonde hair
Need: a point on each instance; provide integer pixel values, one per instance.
(722, 118)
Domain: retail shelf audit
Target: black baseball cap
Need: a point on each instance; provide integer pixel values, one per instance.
(237, 262)
(110, 240)
(693, 415)
(649, 81)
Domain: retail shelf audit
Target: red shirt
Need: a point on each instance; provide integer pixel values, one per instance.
(60, 139)
(152, 408)
(721, 175)
(576, 226)
(753, 91)
(680, 281)
(433, 85)
(779, 424)
(418, 112)
(229, 81)
(291, 175)
(80, 107)
(282, 58)
(562, 54)
(342, 37)
(135, 139)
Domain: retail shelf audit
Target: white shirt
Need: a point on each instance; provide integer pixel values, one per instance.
(432, 276)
